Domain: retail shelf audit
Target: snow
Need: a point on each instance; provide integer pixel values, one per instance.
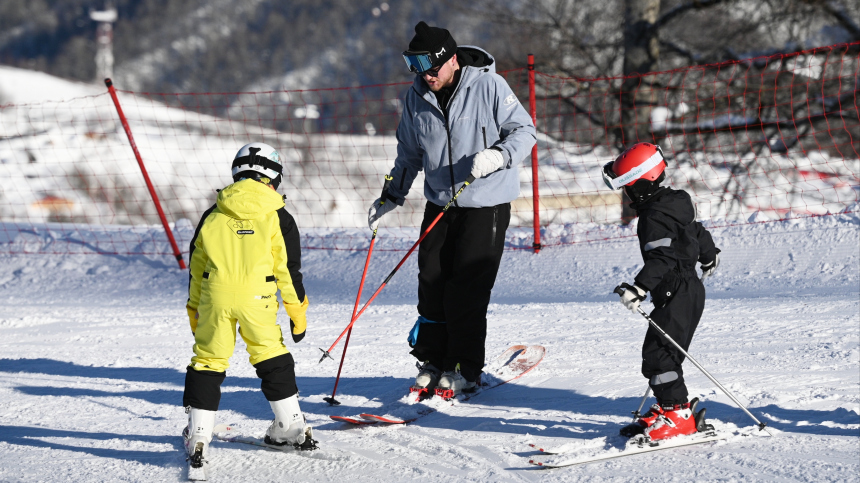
(94, 341)
(94, 348)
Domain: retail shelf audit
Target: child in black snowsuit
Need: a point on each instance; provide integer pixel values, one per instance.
(671, 242)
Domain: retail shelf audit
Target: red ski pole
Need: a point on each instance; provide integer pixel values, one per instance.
(331, 400)
(327, 353)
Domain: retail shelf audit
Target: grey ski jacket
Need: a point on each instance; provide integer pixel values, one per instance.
(482, 112)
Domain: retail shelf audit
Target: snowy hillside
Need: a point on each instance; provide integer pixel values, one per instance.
(68, 160)
(93, 351)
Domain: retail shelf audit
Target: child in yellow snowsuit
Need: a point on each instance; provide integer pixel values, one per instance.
(244, 250)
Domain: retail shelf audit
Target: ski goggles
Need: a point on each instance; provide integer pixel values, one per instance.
(420, 63)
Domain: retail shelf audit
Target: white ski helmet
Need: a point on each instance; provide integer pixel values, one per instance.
(260, 162)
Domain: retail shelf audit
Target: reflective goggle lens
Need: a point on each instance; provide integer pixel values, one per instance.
(609, 175)
(418, 62)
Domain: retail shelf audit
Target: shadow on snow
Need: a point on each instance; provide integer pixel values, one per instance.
(241, 395)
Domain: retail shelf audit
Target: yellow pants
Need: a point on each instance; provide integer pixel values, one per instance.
(215, 337)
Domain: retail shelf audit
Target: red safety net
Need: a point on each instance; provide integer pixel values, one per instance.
(762, 138)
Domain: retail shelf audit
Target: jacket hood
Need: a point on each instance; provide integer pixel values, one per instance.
(248, 199)
(676, 204)
(471, 56)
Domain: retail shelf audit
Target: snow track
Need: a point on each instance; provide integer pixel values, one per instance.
(94, 347)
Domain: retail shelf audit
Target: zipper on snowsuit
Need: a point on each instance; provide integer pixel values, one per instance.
(450, 156)
(448, 131)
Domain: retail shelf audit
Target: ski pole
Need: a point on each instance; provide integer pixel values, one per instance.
(638, 412)
(331, 400)
(761, 425)
(327, 353)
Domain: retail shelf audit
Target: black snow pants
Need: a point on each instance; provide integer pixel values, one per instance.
(680, 301)
(457, 264)
(278, 381)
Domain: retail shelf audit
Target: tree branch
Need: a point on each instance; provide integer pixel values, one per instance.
(680, 9)
(838, 12)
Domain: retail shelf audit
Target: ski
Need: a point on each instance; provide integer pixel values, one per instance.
(636, 445)
(228, 435)
(383, 419)
(198, 467)
(546, 451)
(515, 362)
(356, 421)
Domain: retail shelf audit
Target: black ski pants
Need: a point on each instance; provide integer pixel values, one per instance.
(679, 317)
(457, 266)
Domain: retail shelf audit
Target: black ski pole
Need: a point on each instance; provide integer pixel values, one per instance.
(761, 425)
(638, 412)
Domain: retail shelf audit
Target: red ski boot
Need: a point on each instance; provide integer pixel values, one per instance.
(644, 421)
(677, 420)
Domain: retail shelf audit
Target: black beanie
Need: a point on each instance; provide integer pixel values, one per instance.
(435, 40)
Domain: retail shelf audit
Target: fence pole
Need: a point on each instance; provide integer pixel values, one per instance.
(149, 186)
(535, 188)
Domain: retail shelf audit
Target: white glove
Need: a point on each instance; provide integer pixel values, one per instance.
(633, 294)
(708, 269)
(377, 209)
(486, 162)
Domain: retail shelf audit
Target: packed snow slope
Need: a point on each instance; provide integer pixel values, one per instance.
(93, 350)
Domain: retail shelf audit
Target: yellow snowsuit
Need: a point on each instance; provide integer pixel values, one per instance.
(246, 247)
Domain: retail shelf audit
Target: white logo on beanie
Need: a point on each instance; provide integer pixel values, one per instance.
(439, 54)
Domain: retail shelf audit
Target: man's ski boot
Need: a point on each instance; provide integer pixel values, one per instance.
(425, 383)
(197, 435)
(289, 427)
(676, 420)
(453, 383)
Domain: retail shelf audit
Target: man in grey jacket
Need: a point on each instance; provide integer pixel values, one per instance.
(460, 118)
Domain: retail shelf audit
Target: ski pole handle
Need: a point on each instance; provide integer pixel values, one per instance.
(619, 290)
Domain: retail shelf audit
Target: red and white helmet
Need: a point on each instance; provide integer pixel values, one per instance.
(642, 161)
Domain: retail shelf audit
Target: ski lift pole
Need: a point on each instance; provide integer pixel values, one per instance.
(761, 425)
(327, 353)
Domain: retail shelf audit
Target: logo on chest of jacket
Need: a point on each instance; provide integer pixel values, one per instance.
(241, 227)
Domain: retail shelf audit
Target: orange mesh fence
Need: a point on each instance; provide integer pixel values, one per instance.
(762, 138)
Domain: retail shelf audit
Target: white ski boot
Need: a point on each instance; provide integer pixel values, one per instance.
(428, 378)
(197, 436)
(453, 383)
(289, 427)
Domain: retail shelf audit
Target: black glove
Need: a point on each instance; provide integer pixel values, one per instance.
(296, 337)
(708, 269)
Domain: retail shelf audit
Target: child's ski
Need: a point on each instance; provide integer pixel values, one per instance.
(636, 445)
